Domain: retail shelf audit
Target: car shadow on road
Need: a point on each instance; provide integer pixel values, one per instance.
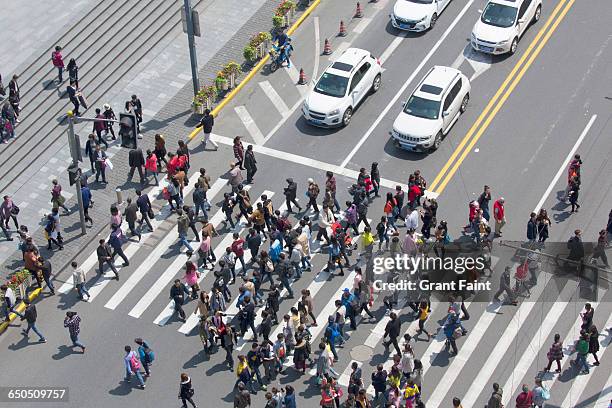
(408, 34)
(305, 128)
(402, 154)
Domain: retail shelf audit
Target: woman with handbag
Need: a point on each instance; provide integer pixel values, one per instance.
(9, 210)
(146, 355)
(555, 353)
(186, 391)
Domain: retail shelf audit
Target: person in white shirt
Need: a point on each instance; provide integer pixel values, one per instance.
(10, 299)
(412, 219)
(326, 219)
(79, 279)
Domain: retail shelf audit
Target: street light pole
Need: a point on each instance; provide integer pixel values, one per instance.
(192, 48)
(75, 162)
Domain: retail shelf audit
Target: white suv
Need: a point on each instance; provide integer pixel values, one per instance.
(417, 15)
(432, 109)
(502, 24)
(341, 87)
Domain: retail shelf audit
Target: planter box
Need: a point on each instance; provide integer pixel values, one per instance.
(198, 110)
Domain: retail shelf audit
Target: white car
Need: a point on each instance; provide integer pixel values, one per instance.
(341, 87)
(503, 23)
(432, 109)
(417, 15)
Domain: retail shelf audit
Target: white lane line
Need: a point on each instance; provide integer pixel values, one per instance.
(307, 161)
(391, 48)
(604, 396)
(276, 99)
(345, 377)
(393, 102)
(533, 349)
(317, 56)
(168, 311)
(465, 352)
(580, 382)
(503, 344)
(459, 60)
(565, 163)
(150, 261)
(363, 24)
(249, 123)
(343, 46)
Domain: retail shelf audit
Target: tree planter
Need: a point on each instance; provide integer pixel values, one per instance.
(198, 109)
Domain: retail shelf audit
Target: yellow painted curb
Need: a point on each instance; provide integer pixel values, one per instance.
(256, 68)
(20, 308)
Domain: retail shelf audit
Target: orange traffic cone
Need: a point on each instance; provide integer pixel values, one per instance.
(342, 32)
(302, 80)
(359, 11)
(327, 48)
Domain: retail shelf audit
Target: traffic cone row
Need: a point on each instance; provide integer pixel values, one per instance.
(358, 11)
(327, 48)
(342, 32)
(302, 80)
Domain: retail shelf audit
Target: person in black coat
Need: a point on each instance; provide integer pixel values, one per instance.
(90, 151)
(136, 160)
(532, 228)
(186, 391)
(291, 194)
(14, 95)
(250, 164)
(207, 123)
(144, 205)
(72, 91)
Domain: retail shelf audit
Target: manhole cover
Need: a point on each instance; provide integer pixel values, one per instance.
(362, 353)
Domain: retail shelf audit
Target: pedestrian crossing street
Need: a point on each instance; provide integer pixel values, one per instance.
(505, 344)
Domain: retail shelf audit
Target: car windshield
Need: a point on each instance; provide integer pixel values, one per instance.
(422, 108)
(332, 85)
(421, 1)
(499, 15)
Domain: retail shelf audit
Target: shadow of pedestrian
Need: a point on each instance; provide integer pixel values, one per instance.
(124, 388)
(217, 368)
(64, 351)
(24, 342)
(291, 375)
(193, 362)
(49, 84)
(68, 300)
(442, 359)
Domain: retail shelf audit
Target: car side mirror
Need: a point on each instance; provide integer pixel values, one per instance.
(479, 11)
(521, 20)
(355, 92)
(445, 113)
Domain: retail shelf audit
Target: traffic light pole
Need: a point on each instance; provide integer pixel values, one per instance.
(192, 48)
(75, 162)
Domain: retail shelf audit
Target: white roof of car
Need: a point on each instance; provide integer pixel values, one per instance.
(436, 81)
(352, 56)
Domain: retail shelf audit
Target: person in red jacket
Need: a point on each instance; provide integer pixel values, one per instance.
(58, 62)
(499, 215)
(525, 398)
(414, 192)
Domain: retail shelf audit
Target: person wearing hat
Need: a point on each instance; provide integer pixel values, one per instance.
(109, 115)
(290, 193)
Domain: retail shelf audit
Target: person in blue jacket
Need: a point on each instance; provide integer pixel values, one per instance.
(86, 195)
(449, 328)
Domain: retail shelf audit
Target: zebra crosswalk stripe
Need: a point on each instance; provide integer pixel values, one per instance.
(548, 323)
(580, 382)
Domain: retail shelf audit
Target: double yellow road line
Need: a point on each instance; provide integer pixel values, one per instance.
(499, 99)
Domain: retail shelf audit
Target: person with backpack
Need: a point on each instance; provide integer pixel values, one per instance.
(555, 353)
(244, 374)
(582, 350)
(132, 366)
(58, 62)
(355, 380)
(540, 394)
(525, 398)
(312, 193)
(145, 354)
(495, 401)
(379, 382)
(206, 123)
(186, 391)
(332, 334)
(290, 193)
(410, 393)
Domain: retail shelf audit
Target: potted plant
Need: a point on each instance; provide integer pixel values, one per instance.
(20, 281)
(231, 71)
(286, 10)
(249, 53)
(278, 21)
(198, 104)
(221, 82)
(208, 95)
